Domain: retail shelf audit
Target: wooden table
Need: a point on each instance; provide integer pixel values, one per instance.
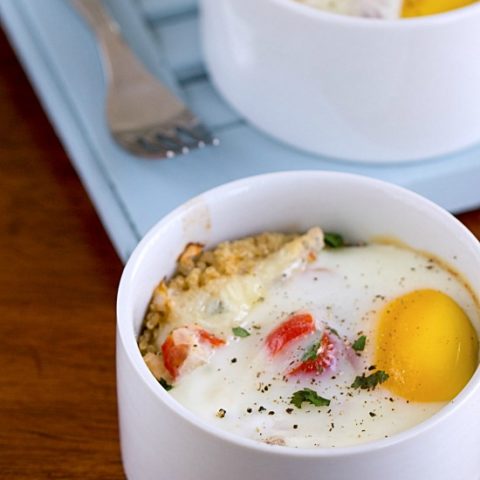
(58, 280)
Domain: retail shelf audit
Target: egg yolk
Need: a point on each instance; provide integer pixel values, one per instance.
(427, 345)
(415, 8)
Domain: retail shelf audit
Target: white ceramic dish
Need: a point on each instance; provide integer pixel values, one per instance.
(161, 439)
(351, 88)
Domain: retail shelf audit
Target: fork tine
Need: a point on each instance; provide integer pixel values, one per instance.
(197, 134)
(188, 125)
(138, 143)
(172, 143)
(166, 141)
(154, 148)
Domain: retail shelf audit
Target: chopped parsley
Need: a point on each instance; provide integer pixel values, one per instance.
(359, 343)
(240, 332)
(165, 384)
(311, 352)
(332, 330)
(370, 382)
(310, 396)
(333, 240)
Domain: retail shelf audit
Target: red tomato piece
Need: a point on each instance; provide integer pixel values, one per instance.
(174, 355)
(210, 338)
(177, 346)
(325, 358)
(293, 328)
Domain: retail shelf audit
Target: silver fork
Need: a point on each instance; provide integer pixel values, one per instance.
(143, 116)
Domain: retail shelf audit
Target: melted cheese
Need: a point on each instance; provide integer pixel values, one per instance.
(225, 302)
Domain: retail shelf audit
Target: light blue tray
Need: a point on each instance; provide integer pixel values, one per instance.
(59, 54)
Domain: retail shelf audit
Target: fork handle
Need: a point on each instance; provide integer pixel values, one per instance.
(120, 62)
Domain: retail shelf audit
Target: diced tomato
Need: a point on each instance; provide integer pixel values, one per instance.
(293, 328)
(210, 338)
(325, 358)
(175, 354)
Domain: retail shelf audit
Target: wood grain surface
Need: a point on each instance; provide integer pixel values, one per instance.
(58, 280)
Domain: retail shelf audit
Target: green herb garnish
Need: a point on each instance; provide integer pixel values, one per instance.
(332, 330)
(165, 385)
(333, 240)
(359, 343)
(240, 332)
(311, 352)
(308, 395)
(370, 382)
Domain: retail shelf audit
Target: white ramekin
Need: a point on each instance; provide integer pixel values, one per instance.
(160, 439)
(351, 88)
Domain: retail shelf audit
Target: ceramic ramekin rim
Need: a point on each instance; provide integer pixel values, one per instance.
(125, 330)
(307, 11)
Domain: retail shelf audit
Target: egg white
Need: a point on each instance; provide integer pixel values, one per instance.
(388, 9)
(344, 289)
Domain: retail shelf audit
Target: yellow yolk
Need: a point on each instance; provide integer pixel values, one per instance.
(427, 345)
(415, 8)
